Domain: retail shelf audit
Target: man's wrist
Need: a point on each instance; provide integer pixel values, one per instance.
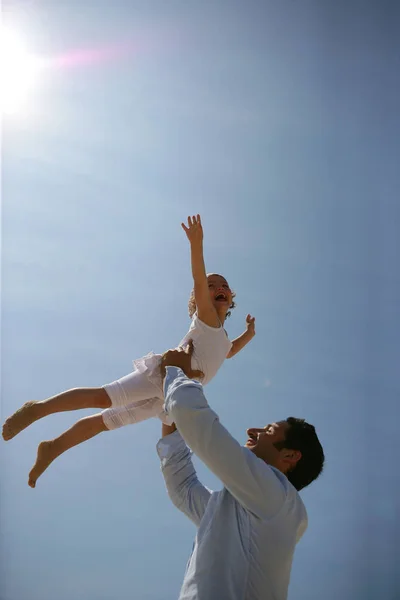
(165, 363)
(167, 429)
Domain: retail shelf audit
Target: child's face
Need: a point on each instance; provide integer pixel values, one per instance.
(220, 292)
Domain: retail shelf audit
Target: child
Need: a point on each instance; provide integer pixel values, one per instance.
(139, 395)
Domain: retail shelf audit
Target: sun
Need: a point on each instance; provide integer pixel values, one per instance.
(18, 71)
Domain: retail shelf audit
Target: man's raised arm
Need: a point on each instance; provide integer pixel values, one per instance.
(183, 487)
(249, 479)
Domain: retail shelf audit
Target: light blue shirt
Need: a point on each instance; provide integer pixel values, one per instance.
(247, 532)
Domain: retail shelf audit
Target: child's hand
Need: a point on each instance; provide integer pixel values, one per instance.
(251, 324)
(194, 230)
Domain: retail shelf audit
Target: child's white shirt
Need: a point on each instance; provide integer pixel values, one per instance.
(211, 346)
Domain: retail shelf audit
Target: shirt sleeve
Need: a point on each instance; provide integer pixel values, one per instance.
(183, 487)
(249, 479)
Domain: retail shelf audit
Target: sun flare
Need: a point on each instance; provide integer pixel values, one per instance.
(18, 71)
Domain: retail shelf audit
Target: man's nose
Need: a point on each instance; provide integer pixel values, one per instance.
(253, 430)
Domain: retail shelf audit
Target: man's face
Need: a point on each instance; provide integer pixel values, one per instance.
(261, 443)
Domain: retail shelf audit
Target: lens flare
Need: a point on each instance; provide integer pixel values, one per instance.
(18, 70)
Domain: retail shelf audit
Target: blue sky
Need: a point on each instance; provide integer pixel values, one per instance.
(279, 123)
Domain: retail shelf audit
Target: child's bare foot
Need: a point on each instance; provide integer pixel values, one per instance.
(45, 455)
(21, 419)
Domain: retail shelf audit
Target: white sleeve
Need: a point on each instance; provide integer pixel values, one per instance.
(183, 487)
(249, 479)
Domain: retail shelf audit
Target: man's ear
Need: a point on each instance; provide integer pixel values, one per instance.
(291, 456)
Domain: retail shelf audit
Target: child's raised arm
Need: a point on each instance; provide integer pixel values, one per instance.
(240, 342)
(205, 309)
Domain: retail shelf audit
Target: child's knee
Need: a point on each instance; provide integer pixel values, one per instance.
(104, 400)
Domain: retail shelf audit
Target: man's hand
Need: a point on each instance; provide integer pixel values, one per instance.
(251, 325)
(182, 359)
(194, 230)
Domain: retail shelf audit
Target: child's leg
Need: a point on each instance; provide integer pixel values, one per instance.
(120, 416)
(71, 400)
(134, 398)
(135, 388)
(83, 430)
(130, 389)
(88, 427)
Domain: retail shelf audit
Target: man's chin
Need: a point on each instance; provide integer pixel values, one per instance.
(250, 446)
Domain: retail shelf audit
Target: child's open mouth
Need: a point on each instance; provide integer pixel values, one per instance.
(221, 297)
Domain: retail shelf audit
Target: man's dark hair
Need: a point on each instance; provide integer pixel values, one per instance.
(301, 436)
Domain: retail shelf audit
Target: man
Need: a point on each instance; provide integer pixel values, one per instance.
(248, 531)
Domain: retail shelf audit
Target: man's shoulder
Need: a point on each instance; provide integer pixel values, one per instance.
(266, 473)
(272, 482)
(293, 501)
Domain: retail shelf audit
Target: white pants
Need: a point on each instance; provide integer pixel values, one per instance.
(134, 398)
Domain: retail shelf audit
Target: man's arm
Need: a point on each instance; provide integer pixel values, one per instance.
(249, 479)
(183, 487)
(167, 429)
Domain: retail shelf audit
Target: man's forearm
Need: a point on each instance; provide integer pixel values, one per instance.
(167, 429)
